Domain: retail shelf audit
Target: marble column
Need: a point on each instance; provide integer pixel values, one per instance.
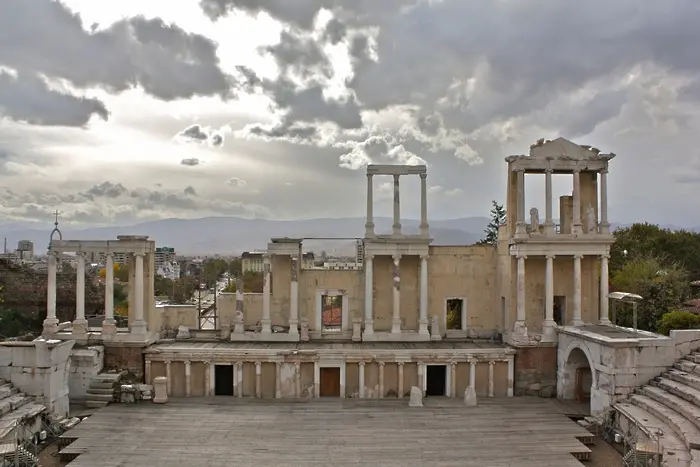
(239, 321)
(420, 372)
(294, 298)
(51, 322)
(297, 379)
(491, 364)
(239, 377)
(369, 225)
(381, 381)
(548, 327)
(188, 378)
(278, 380)
(511, 376)
(453, 379)
(520, 327)
(576, 320)
(472, 374)
(361, 378)
(80, 324)
(369, 293)
(207, 378)
(396, 302)
(577, 225)
(147, 373)
(139, 325)
(604, 291)
(423, 313)
(400, 380)
(109, 325)
(266, 322)
(235, 379)
(397, 207)
(258, 380)
(424, 228)
(169, 377)
(520, 226)
(548, 222)
(317, 380)
(604, 224)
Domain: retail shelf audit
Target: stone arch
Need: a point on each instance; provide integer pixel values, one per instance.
(577, 356)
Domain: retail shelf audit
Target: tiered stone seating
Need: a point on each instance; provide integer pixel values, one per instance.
(15, 407)
(671, 403)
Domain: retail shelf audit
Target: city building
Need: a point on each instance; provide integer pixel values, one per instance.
(252, 261)
(164, 255)
(169, 270)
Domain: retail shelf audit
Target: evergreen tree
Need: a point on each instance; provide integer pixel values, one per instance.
(498, 218)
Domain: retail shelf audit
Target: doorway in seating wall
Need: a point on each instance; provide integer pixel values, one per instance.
(330, 382)
(223, 380)
(436, 384)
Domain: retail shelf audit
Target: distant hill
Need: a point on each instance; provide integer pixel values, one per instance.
(228, 235)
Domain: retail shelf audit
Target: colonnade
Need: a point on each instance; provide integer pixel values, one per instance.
(450, 386)
(396, 295)
(576, 319)
(266, 321)
(396, 226)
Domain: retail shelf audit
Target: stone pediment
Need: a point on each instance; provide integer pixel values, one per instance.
(562, 148)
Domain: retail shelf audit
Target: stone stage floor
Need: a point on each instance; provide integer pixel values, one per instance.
(216, 431)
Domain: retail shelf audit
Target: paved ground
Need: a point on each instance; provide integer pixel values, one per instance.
(212, 432)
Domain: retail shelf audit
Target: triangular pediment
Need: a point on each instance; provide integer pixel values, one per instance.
(561, 148)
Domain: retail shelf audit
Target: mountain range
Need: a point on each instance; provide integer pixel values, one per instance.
(229, 235)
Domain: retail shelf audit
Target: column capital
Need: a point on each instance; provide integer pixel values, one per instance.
(400, 363)
(369, 176)
(297, 364)
(187, 362)
(550, 256)
(369, 256)
(605, 171)
(425, 256)
(80, 254)
(109, 254)
(491, 362)
(396, 178)
(207, 362)
(521, 256)
(453, 364)
(577, 170)
(138, 254)
(472, 362)
(396, 258)
(549, 171)
(423, 176)
(381, 364)
(605, 256)
(579, 256)
(361, 363)
(239, 364)
(167, 362)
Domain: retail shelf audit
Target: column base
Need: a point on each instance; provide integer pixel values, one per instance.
(549, 331)
(266, 326)
(139, 328)
(605, 322)
(109, 327)
(424, 232)
(605, 228)
(423, 327)
(80, 326)
(550, 228)
(577, 322)
(577, 229)
(369, 230)
(369, 327)
(293, 326)
(396, 326)
(50, 326)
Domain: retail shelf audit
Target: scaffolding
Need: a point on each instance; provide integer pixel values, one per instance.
(640, 448)
(26, 443)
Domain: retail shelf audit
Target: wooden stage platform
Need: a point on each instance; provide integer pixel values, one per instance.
(216, 431)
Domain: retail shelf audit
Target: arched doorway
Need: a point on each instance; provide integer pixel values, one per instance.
(578, 377)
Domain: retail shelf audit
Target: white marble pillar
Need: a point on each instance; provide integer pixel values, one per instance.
(423, 312)
(317, 380)
(397, 207)
(511, 376)
(109, 325)
(258, 380)
(169, 377)
(520, 228)
(604, 224)
(369, 292)
(235, 378)
(453, 379)
(472, 374)
(604, 291)
(549, 221)
(297, 380)
(400, 380)
(396, 299)
(577, 225)
(80, 324)
(381, 381)
(420, 372)
(369, 224)
(361, 378)
(278, 380)
(207, 378)
(266, 322)
(188, 378)
(520, 327)
(576, 320)
(491, 365)
(239, 377)
(294, 298)
(139, 325)
(548, 327)
(147, 373)
(424, 228)
(51, 322)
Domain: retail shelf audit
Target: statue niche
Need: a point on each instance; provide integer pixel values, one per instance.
(534, 220)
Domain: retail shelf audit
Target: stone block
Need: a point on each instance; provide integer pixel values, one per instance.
(470, 397)
(416, 399)
(160, 385)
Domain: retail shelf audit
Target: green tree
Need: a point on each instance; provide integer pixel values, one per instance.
(662, 285)
(498, 219)
(677, 320)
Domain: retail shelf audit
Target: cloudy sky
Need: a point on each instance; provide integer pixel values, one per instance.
(116, 111)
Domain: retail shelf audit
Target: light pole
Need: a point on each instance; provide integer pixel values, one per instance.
(625, 297)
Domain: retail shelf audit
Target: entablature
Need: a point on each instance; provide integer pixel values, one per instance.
(415, 247)
(104, 246)
(560, 248)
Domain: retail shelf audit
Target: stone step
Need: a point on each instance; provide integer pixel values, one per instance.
(13, 402)
(100, 397)
(91, 404)
(100, 391)
(101, 385)
(683, 377)
(25, 412)
(675, 453)
(679, 389)
(686, 365)
(683, 427)
(682, 406)
(109, 377)
(7, 390)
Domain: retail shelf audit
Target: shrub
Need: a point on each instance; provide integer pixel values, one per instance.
(677, 320)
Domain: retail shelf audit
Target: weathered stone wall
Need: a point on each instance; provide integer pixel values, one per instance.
(120, 357)
(85, 364)
(535, 371)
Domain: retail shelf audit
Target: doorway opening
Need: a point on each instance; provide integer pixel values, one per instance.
(332, 312)
(454, 314)
(435, 384)
(560, 310)
(330, 382)
(223, 380)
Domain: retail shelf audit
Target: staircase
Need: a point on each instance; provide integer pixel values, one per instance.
(102, 389)
(670, 405)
